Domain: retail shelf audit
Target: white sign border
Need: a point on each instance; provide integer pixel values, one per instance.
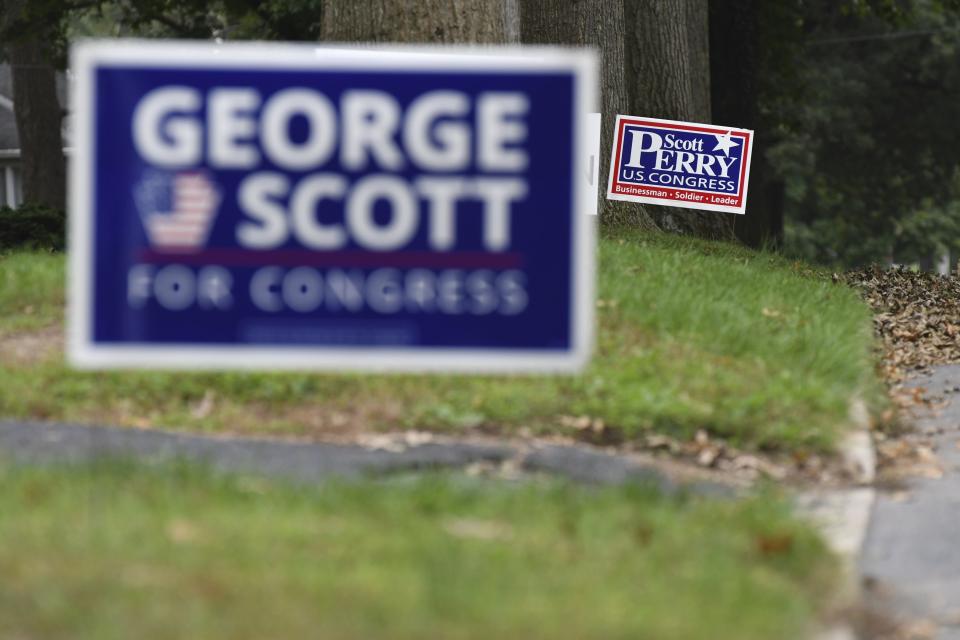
(84, 353)
(741, 210)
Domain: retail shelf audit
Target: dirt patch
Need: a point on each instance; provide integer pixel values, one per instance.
(335, 421)
(324, 423)
(31, 347)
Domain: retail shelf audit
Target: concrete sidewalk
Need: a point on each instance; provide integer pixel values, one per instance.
(911, 558)
(46, 443)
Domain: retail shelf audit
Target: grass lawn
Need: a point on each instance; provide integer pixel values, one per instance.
(31, 291)
(118, 551)
(756, 349)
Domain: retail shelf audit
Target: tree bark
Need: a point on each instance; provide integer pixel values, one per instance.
(417, 21)
(38, 115)
(735, 70)
(600, 24)
(668, 74)
(698, 34)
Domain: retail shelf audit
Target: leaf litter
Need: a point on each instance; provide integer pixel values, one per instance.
(916, 317)
(917, 322)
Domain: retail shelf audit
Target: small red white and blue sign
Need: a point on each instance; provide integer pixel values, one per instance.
(680, 164)
(253, 205)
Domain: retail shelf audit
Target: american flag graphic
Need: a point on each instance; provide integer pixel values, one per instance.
(177, 209)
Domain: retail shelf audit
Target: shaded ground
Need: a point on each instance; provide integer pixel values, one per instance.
(31, 348)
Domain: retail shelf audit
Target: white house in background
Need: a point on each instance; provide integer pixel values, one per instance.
(11, 189)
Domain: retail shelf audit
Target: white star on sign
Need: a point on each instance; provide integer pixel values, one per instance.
(725, 143)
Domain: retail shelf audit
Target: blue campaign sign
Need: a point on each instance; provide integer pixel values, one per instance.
(680, 164)
(289, 206)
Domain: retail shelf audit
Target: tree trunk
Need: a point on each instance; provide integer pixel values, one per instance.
(698, 35)
(597, 23)
(417, 21)
(38, 115)
(668, 74)
(734, 67)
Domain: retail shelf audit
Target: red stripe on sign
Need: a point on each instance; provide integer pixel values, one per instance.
(629, 189)
(744, 161)
(616, 164)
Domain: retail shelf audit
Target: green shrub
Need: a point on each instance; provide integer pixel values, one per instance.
(32, 226)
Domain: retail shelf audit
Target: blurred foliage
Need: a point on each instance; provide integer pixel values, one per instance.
(197, 19)
(32, 227)
(863, 98)
(857, 100)
(228, 19)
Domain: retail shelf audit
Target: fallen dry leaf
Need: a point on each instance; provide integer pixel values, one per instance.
(774, 544)
(417, 438)
(708, 456)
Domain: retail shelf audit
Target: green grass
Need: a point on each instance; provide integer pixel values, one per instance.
(118, 551)
(31, 291)
(751, 347)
